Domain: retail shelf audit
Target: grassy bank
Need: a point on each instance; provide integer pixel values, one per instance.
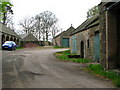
(64, 57)
(57, 47)
(19, 47)
(95, 69)
(98, 70)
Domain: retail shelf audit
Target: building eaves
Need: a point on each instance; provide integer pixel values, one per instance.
(59, 34)
(8, 31)
(93, 21)
(29, 36)
(67, 32)
(23, 35)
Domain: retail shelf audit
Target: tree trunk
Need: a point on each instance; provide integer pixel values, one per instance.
(46, 36)
(4, 18)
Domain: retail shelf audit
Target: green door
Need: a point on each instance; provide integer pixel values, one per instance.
(65, 42)
(74, 44)
(97, 46)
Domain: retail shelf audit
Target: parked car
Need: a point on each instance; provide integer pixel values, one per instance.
(9, 45)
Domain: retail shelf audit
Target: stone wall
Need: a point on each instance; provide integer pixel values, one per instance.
(102, 28)
(85, 36)
(57, 41)
(7, 37)
(109, 35)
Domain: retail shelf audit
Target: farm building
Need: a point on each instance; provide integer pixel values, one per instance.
(85, 39)
(6, 34)
(98, 37)
(110, 34)
(28, 38)
(62, 40)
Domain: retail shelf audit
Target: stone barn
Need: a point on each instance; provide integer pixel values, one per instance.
(98, 37)
(29, 39)
(110, 34)
(62, 40)
(85, 40)
(6, 34)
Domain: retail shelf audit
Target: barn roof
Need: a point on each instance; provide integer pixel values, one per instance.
(90, 22)
(67, 32)
(7, 30)
(23, 35)
(28, 37)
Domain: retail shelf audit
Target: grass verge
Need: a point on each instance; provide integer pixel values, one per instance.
(57, 47)
(98, 70)
(19, 47)
(64, 57)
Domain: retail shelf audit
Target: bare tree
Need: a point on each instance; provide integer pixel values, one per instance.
(27, 24)
(45, 21)
(10, 23)
(38, 27)
(54, 30)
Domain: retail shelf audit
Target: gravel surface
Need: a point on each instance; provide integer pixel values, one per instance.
(38, 68)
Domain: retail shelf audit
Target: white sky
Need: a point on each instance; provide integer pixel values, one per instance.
(67, 11)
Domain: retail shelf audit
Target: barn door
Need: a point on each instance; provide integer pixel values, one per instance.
(65, 42)
(118, 39)
(74, 44)
(97, 46)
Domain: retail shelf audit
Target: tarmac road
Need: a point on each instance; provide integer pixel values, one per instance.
(38, 68)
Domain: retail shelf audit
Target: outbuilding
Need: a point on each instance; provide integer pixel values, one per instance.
(110, 34)
(6, 34)
(28, 38)
(62, 40)
(85, 40)
(98, 37)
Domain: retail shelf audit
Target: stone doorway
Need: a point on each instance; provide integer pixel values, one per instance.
(118, 38)
(82, 49)
(3, 39)
(113, 37)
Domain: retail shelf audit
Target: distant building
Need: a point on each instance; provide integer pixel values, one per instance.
(6, 34)
(28, 38)
(62, 40)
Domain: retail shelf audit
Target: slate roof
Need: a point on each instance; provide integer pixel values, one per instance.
(67, 32)
(28, 37)
(110, 4)
(23, 35)
(90, 22)
(7, 30)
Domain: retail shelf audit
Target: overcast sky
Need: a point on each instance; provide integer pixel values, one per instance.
(67, 11)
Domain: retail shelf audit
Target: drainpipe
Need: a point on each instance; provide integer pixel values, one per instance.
(107, 65)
